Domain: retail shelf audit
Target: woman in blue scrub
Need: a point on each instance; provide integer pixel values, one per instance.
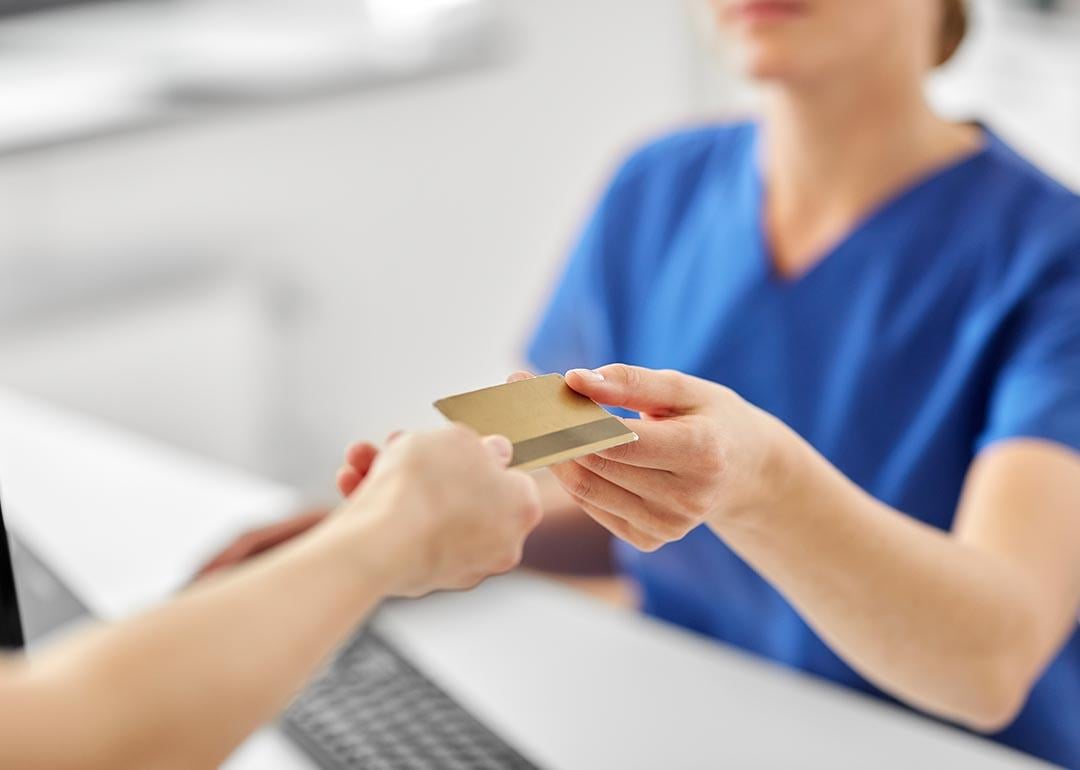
(852, 332)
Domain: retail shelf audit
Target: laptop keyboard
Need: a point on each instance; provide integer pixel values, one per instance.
(371, 710)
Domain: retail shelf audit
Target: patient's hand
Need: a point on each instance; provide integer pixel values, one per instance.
(359, 458)
(444, 509)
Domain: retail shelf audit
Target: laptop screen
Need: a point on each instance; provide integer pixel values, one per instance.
(11, 633)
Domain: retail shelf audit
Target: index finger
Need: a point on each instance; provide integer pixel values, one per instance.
(656, 392)
(661, 445)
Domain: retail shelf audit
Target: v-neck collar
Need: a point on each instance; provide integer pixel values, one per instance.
(832, 254)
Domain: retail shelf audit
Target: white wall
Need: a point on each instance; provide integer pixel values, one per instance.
(410, 233)
(402, 240)
(1020, 74)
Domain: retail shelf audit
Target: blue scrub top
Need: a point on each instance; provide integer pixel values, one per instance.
(948, 319)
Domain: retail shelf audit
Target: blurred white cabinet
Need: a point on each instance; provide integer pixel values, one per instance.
(195, 364)
(421, 227)
(1020, 73)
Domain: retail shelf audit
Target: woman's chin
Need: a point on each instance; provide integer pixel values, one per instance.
(764, 67)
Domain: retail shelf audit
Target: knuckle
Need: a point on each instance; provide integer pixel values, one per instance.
(720, 463)
(647, 543)
(696, 506)
(683, 528)
(597, 463)
(508, 560)
(666, 528)
(700, 438)
(532, 513)
(675, 383)
(685, 434)
(663, 526)
(528, 509)
(689, 502)
(708, 449)
(528, 492)
(711, 461)
(705, 508)
(624, 530)
(727, 394)
(712, 452)
(620, 452)
(580, 482)
(673, 380)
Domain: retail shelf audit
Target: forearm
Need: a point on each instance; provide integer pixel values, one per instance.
(182, 685)
(950, 628)
(960, 624)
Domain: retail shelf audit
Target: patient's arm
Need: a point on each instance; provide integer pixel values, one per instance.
(182, 685)
(568, 542)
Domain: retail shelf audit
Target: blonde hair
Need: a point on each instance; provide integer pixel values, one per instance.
(954, 25)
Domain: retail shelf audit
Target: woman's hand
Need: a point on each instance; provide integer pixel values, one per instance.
(703, 454)
(445, 510)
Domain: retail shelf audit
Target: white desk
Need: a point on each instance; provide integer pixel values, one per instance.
(571, 683)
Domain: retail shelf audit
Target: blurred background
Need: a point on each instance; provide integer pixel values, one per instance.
(259, 230)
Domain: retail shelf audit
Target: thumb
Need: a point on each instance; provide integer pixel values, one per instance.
(649, 391)
(500, 448)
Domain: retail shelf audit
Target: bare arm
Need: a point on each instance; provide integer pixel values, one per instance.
(182, 685)
(959, 623)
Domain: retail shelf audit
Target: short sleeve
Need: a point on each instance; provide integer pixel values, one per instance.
(576, 329)
(1037, 391)
(591, 317)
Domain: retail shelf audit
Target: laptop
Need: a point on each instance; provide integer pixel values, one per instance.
(11, 631)
(369, 708)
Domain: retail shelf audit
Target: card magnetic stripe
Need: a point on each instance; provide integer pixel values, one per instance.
(578, 436)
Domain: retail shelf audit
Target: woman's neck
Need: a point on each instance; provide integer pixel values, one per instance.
(832, 154)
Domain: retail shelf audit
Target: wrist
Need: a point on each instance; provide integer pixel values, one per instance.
(386, 541)
(367, 550)
(777, 478)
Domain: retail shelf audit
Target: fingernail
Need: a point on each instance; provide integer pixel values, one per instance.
(587, 374)
(500, 447)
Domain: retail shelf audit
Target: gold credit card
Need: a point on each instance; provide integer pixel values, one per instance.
(547, 421)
